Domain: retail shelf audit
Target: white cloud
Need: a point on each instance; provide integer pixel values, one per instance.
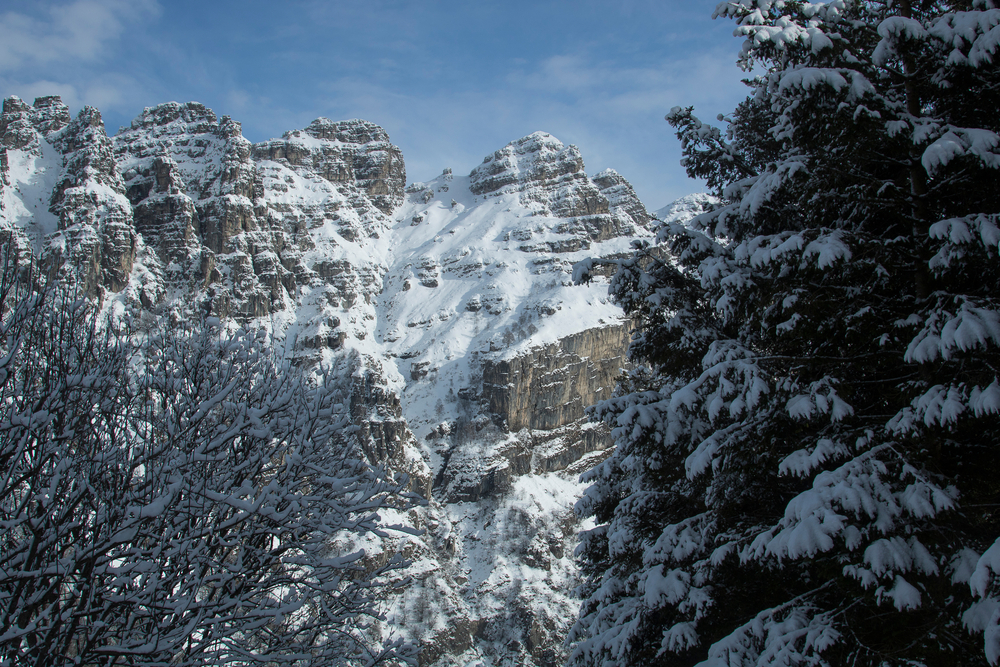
(707, 78)
(79, 30)
(103, 91)
(66, 48)
(613, 113)
(106, 92)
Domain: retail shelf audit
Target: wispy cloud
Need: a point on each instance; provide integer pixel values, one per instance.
(73, 49)
(79, 30)
(613, 112)
(451, 81)
(103, 92)
(705, 78)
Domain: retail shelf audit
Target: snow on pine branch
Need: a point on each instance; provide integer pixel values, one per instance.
(755, 192)
(782, 32)
(803, 462)
(825, 248)
(958, 142)
(844, 383)
(893, 31)
(942, 405)
(793, 634)
(984, 615)
(682, 541)
(804, 79)
(962, 231)
(865, 488)
(978, 33)
(945, 332)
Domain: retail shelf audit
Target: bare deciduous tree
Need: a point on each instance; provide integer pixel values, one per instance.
(174, 501)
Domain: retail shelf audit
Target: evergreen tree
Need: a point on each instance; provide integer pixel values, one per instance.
(807, 457)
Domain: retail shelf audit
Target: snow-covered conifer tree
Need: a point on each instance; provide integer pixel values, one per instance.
(807, 459)
(179, 502)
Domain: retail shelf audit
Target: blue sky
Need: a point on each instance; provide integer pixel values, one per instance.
(450, 81)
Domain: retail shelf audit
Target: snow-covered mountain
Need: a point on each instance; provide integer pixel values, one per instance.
(467, 354)
(686, 207)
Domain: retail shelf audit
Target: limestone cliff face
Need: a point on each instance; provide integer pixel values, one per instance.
(480, 299)
(552, 386)
(539, 398)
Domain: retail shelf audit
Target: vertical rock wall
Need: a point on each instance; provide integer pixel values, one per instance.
(551, 387)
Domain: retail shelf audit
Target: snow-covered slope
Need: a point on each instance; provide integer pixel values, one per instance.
(686, 207)
(466, 354)
(484, 276)
(29, 175)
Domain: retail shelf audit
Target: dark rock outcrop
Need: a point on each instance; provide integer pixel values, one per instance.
(551, 387)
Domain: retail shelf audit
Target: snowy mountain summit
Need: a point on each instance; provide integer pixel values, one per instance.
(686, 208)
(466, 354)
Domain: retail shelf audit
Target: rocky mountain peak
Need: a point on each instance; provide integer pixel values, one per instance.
(356, 152)
(499, 353)
(538, 160)
(229, 128)
(687, 208)
(21, 125)
(51, 115)
(621, 196)
(88, 149)
(545, 172)
(354, 131)
(67, 201)
(213, 157)
(549, 178)
(190, 117)
(17, 130)
(198, 202)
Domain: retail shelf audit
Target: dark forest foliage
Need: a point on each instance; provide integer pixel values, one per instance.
(807, 456)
